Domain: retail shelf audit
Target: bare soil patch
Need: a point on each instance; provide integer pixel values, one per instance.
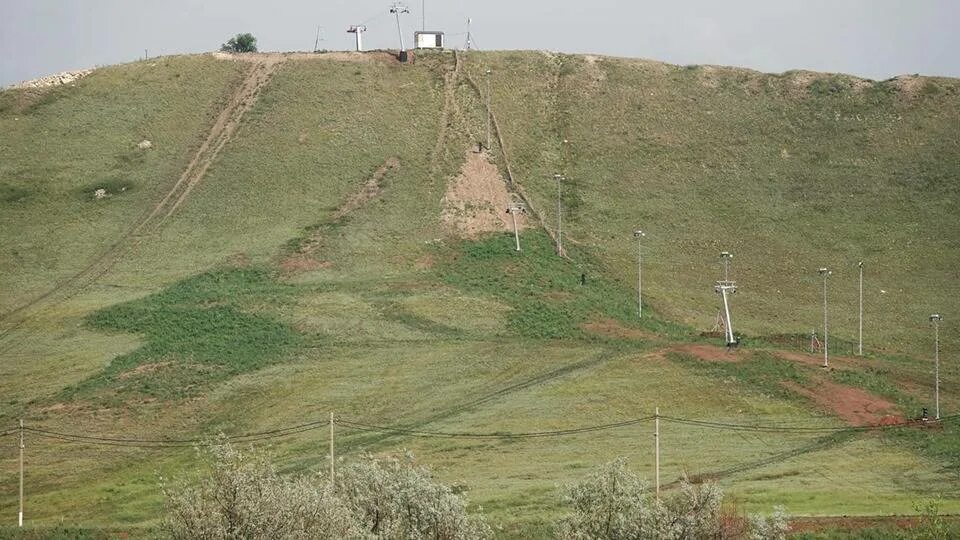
(909, 86)
(302, 260)
(370, 190)
(475, 202)
(855, 406)
(610, 328)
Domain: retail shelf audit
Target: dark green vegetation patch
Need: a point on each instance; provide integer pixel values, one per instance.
(202, 329)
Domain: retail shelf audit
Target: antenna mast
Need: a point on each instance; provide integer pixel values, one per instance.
(469, 36)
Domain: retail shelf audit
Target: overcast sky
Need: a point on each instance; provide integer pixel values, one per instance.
(872, 38)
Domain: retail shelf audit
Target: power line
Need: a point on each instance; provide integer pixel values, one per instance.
(492, 435)
(81, 438)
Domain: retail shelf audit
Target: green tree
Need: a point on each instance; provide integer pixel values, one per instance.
(240, 43)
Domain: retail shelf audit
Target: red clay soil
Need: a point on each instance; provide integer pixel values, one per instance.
(855, 406)
(847, 523)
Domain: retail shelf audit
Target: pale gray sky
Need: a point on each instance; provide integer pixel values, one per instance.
(871, 38)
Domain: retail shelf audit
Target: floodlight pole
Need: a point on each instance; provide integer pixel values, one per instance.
(20, 514)
(397, 9)
(559, 178)
(513, 211)
(656, 450)
(825, 273)
(860, 330)
(638, 234)
(332, 471)
(935, 319)
(489, 113)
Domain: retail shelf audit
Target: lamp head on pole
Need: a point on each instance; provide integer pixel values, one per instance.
(824, 272)
(936, 317)
(726, 255)
(639, 234)
(860, 264)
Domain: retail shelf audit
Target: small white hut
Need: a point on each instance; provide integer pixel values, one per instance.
(428, 39)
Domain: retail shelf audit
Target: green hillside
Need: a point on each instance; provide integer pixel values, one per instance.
(316, 233)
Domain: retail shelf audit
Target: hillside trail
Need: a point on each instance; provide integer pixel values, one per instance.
(241, 100)
(497, 134)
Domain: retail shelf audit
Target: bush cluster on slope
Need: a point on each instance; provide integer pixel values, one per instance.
(613, 503)
(244, 497)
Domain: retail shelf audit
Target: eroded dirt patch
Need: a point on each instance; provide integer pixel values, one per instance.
(855, 406)
(476, 201)
(302, 260)
(370, 190)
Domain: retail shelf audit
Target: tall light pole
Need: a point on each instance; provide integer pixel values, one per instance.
(397, 8)
(860, 330)
(826, 357)
(513, 210)
(935, 319)
(638, 234)
(559, 179)
(725, 288)
(489, 113)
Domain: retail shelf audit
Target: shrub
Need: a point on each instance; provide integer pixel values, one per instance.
(613, 503)
(393, 498)
(240, 43)
(243, 496)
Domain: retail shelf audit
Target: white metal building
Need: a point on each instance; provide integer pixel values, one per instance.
(428, 39)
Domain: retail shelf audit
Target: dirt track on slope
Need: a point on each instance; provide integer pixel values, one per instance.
(226, 123)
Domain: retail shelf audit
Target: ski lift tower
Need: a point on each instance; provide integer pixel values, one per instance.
(397, 9)
(725, 288)
(358, 29)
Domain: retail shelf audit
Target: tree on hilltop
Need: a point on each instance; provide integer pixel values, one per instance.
(240, 43)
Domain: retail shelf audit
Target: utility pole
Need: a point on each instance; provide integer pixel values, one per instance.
(423, 15)
(559, 178)
(513, 210)
(826, 358)
(638, 234)
(20, 515)
(331, 448)
(860, 330)
(489, 112)
(656, 449)
(935, 319)
(397, 9)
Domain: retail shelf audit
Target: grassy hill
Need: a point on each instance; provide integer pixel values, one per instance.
(313, 233)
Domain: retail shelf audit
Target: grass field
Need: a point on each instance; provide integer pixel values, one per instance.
(285, 287)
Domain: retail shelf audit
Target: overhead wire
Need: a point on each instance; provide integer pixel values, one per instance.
(491, 435)
(287, 431)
